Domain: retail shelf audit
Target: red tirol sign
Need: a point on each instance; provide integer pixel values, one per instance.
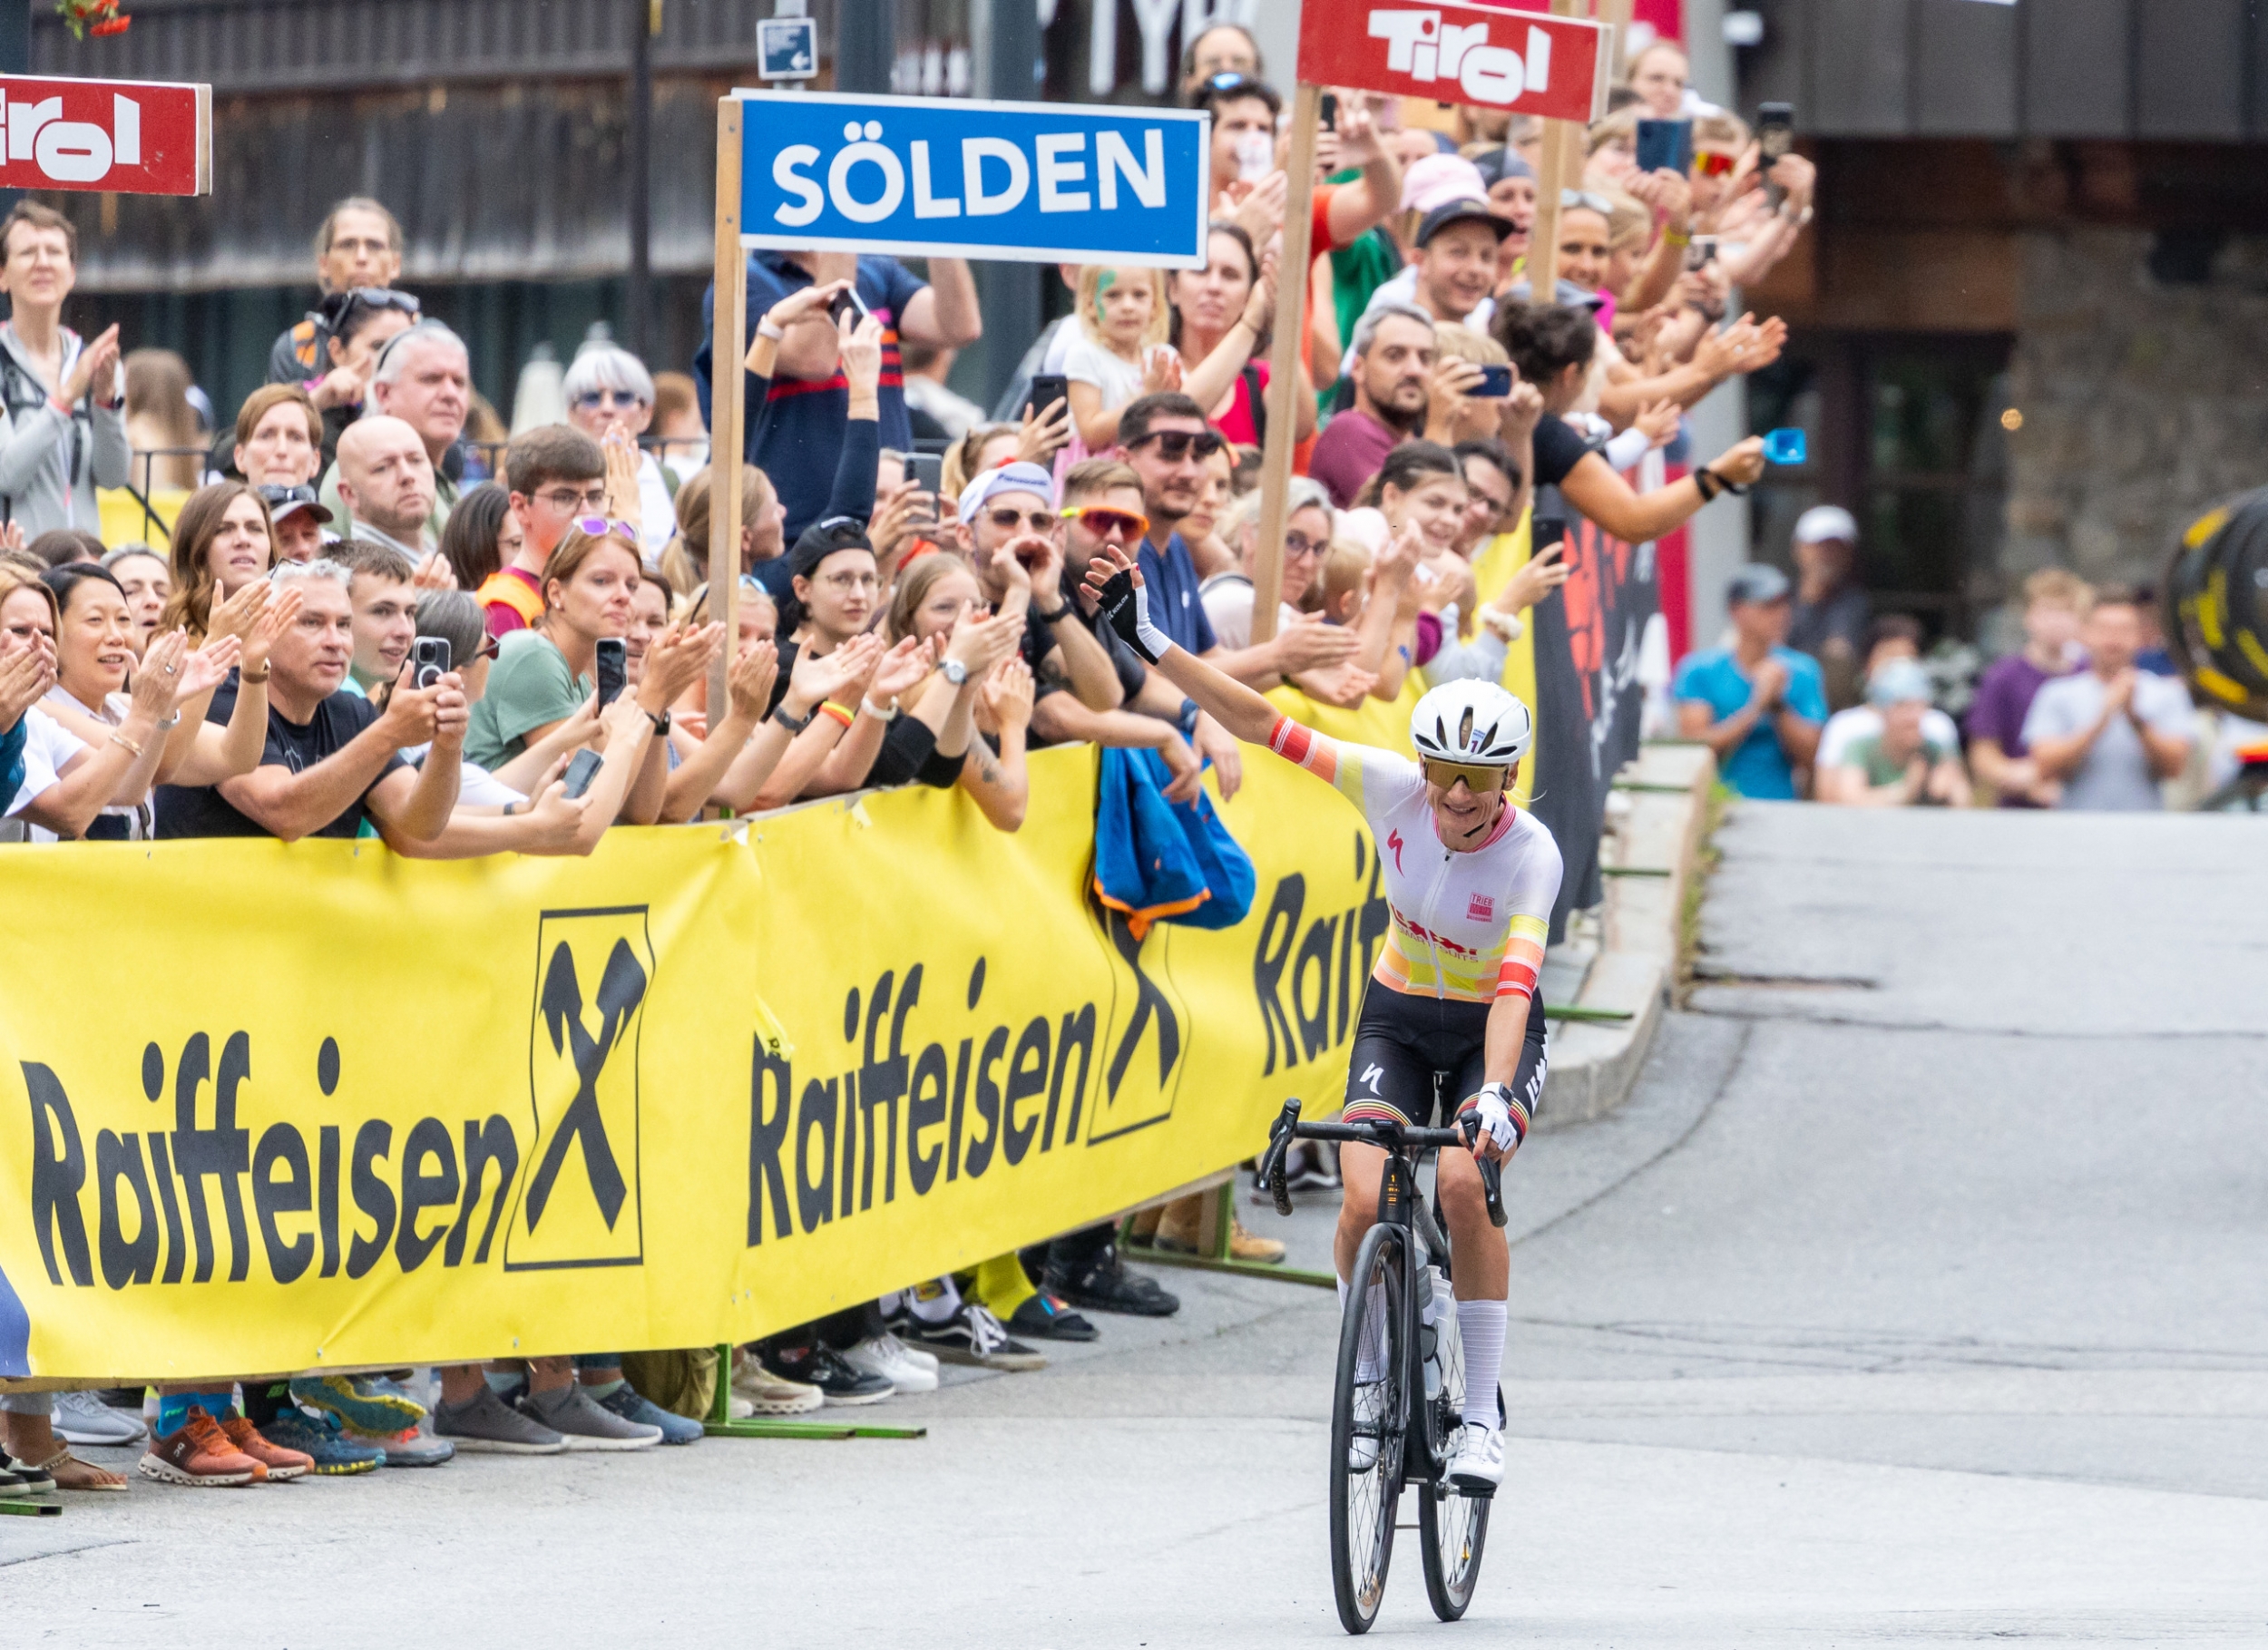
(126, 137)
(1489, 55)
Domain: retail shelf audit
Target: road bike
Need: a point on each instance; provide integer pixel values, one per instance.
(1399, 1391)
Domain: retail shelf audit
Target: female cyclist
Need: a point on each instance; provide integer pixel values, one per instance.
(1453, 1012)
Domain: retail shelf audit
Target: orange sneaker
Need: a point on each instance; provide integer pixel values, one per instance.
(282, 1464)
(198, 1456)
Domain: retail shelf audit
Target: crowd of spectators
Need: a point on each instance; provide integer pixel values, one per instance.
(259, 678)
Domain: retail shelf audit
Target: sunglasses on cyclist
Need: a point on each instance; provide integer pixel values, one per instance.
(1105, 523)
(1480, 781)
(599, 526)
(1714, 163)
(1042, 522)
(1174, 445)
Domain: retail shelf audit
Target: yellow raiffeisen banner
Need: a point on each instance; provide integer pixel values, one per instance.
(268, 1108)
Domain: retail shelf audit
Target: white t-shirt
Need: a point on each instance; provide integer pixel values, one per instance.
(1865, 722)
(48, 748)
(2114, 775)
(1227, 598)
(1088, 362)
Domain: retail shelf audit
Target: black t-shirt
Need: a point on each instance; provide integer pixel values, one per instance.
(1039, 641)
(1558, 450)
(202, 811)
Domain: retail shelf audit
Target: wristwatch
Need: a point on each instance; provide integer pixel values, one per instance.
(791, 723)
(955, 671)
(880, 715)
(1058, 616)
(660, 724)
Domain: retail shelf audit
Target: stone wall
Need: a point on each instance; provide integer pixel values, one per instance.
(2143, 402)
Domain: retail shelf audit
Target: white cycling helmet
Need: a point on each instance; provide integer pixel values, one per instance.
(1475, 722)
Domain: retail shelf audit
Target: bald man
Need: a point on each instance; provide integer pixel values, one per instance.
(384, 479)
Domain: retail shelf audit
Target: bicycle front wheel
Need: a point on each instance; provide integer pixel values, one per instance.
(1370, 1411)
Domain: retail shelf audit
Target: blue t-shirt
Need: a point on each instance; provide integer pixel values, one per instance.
(795, 434)
(12, 760)
(1757, 766)
(1175, 605)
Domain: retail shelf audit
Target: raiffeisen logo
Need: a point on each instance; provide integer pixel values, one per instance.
(1421, 46)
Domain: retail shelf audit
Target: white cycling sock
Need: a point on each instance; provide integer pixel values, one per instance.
(933, 1303)
(1481, 1325)
(1343, 1294)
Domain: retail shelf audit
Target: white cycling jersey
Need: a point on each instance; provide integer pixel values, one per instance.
(1467, 925)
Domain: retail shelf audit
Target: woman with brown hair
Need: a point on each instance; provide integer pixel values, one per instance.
(763, 522)
(223, 541)
(937, 730)
(279, 437)
(161, 425)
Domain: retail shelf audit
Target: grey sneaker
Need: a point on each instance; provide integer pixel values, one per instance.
(486, 1424)
(578, 1417)
(83, 1417)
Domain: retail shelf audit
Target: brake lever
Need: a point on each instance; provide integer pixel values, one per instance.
(1491, 1170)
(1280, 1137)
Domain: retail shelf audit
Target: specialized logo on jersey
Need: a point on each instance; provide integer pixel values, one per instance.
(1370, 1075)
(1394, 841)
(1482, 908)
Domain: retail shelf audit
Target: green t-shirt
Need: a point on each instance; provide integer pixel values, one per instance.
(529, 686)
(1867, 754)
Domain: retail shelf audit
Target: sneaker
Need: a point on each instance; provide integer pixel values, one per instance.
(1045, 1318)
(358, 1402)
(1104, 1284)
(737, 1408)
(417, 1446)
(973, 1335)
(818, 1365)
(917, 1356)
(1476, 1458)
(14, 1486)
(323, 1442)
(283, 1465)
(83, 1417)
(767, 1393)
(885, 1355)
(576, 1416)
(30, 1480)
(486, 1424)
(632, 1405)
(198, 1455)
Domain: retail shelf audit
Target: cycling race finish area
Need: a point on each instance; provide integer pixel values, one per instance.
(697, 1087)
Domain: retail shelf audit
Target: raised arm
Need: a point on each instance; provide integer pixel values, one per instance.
(1114, 584)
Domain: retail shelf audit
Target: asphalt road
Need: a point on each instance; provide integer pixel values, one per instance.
(1916, 1297)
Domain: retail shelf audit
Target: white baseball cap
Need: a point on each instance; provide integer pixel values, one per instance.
(1822, 522)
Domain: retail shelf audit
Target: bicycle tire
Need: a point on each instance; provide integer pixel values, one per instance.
(1453, 1528)
(1451, 1523)
(1365, 1501)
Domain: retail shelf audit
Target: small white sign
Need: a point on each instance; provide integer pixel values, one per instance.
(788, 48)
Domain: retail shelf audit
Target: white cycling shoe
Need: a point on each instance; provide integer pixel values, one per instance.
(1476, 1458)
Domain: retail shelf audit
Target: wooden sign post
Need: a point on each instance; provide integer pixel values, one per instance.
(1283, 362)
(726, 402)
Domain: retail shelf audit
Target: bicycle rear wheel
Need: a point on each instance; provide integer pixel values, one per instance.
(1454, 1528)
(1369, 1424)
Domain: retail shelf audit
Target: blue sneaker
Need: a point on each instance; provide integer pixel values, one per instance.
(358, 1402)
(412, 1447)
(633, 1405)
(319, 1436)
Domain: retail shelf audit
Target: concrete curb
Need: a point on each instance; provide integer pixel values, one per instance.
(1594, 1064)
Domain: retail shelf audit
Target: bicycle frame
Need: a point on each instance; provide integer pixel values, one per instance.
(1400, 1205)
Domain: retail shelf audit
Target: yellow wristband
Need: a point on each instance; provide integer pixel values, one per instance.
(1678, 237)
(840, 713)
